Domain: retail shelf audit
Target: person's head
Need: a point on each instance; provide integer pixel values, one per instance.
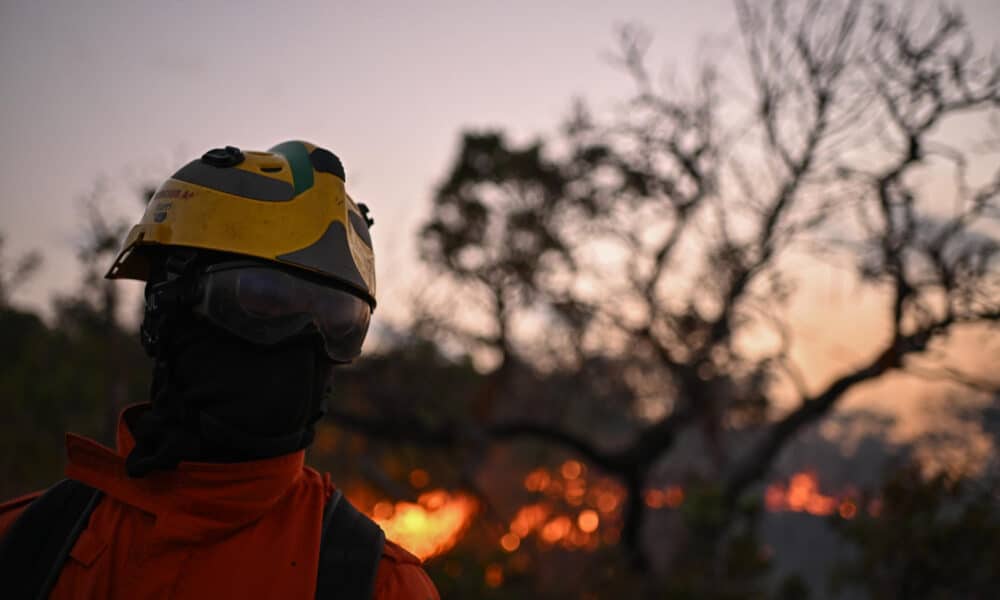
(259, 277)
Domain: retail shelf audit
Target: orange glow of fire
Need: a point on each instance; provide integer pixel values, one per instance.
(419, 478)
(802, 494)
(431, 526)
(588, 521)
(572, 510)
(571, 469)
(493, 575)
(510, 541)
(557, 529)
(671, 496)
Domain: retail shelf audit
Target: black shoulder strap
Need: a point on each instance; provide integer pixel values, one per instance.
(37, 544)
(349, 553)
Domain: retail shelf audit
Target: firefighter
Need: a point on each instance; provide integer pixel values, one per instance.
(260, 278)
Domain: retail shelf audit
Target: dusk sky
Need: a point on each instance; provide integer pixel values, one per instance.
(122, 93)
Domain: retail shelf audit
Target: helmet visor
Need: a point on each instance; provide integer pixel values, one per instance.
(268, 306)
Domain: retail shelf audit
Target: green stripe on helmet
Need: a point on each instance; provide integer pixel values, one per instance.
(298, 160)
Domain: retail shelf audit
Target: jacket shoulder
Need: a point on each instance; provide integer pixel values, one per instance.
(397, 554)
(401, 577)
(12, 509)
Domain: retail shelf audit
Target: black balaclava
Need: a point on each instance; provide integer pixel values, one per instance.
(218, 398)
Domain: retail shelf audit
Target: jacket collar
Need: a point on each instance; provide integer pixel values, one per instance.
(195, 502)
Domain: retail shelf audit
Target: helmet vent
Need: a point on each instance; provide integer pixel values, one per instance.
(271, 169)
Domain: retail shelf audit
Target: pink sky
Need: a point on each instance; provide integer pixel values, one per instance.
(130, 91)
(125, 92)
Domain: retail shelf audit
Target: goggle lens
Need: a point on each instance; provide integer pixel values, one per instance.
(266, 306)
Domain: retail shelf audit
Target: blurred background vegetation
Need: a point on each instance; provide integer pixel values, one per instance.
(607, 373)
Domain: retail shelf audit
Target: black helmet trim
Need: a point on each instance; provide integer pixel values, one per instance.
(331, 254)
(237, 182)
(360, 227)
(325, 161)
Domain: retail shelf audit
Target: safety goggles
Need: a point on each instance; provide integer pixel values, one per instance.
(268, 306)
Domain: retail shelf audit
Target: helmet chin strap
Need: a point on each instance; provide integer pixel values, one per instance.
(175, 291)
(210, 391)
(162, 439)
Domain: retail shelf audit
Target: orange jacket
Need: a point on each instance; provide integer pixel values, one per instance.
(241, 530)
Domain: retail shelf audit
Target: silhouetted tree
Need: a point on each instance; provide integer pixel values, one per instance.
(94, 312)
(640, 254)
(17, 273)
(74, 373)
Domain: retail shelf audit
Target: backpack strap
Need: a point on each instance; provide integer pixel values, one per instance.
(37, 544)
(350, 552)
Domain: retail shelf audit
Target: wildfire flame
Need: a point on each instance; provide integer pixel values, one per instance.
(802, 494)
(572, 511)
(431, 526)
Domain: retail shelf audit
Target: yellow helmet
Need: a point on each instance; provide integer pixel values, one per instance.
(287, 205)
